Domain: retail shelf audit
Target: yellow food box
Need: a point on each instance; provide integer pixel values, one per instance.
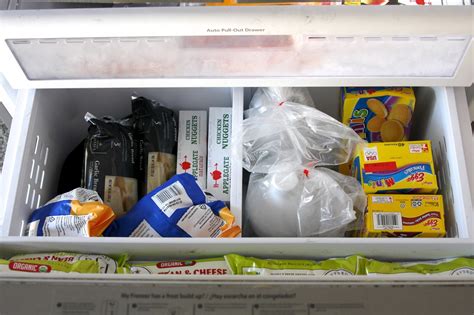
(396, 167)
(379, 114)
(404, 216)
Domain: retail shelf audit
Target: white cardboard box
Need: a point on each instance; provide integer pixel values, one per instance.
(219, 152)
(192, 145)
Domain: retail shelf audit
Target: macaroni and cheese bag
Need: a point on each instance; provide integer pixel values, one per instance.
(79, 212)
(240, 265)
(208, 266)
(48, 266)
(443, 267)
(63, 263)
(178, 208)
(105, 264)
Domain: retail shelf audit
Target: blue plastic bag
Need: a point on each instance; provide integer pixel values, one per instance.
(79, 212)
(178, 208)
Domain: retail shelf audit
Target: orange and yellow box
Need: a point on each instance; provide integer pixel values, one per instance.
(404, 216)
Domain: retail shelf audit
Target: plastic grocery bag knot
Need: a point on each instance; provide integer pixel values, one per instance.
(306, 172)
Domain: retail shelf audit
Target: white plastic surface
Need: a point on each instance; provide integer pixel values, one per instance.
(243, 295)
(239, 46)
(229, 56)
(16, 144)
(6, 111)
(56, 117)
(465, 101)
(8, 98)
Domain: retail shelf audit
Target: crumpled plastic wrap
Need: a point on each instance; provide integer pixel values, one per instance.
(284, 145)
(271, 95)
(294, 134)
(304, 202)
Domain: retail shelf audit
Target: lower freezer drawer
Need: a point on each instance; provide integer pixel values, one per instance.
(234, 297)
(49, 124)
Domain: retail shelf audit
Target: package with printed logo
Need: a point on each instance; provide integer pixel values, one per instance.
(443, 267)
(79, 212)
(155, 129)
(379, 114)
(192, 145)
(44, 266)
(240, 265)
(201, 267)
(63, 262)
(404, 216)
(396, 167)
(178, 208)
(110, 162)
(219, 152)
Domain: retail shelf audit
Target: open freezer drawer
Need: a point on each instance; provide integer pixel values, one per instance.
(52, 124)
(49, 120)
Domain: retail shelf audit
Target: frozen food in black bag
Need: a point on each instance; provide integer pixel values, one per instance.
(109, 162)
(156, 134)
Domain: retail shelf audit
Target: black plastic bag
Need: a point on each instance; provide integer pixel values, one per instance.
(110, 163)
(156, 135)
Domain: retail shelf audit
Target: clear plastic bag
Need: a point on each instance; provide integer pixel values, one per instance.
(328, 203)
(268, 96)
(302, 202)
(293, 135)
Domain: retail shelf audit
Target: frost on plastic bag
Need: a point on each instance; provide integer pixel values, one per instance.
(275, 95)
(294, 134)
(315, 202)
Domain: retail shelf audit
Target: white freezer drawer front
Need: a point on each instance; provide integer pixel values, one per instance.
(244, 296)
(238, 46)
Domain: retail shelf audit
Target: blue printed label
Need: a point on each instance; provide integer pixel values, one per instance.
(412, 173)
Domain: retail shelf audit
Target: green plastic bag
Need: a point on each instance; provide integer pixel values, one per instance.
(209, 267)
(105, 264)
(48, 266)
(240, 265)
(446, 267)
